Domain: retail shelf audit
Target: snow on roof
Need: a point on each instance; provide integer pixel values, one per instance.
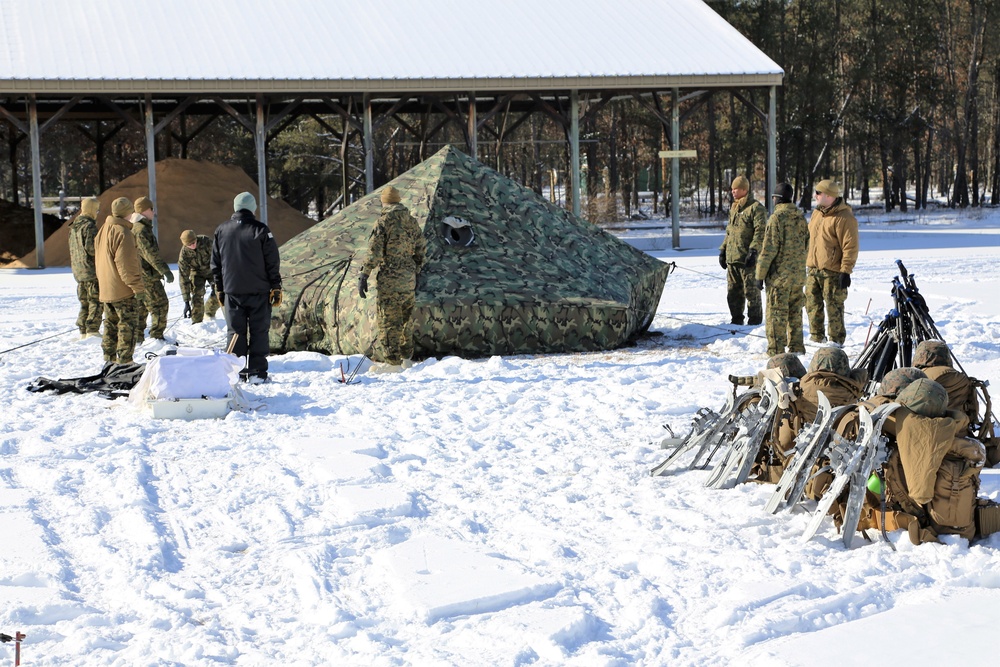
(333, 45)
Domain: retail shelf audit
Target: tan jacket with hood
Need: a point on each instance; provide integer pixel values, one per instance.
(833, 238)
(118, 273)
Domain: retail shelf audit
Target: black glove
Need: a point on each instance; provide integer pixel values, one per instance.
(845, 280)
(722, 258)
(363, 286)
(169, 276)
(751, 259)
(759, 284)
(187, 309)
(274, 298)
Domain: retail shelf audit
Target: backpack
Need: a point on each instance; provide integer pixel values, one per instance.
(953, 508)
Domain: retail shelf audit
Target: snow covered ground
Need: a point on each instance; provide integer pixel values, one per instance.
(467, 512)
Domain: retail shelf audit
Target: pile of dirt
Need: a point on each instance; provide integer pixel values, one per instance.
(17, 230)
(190, 194)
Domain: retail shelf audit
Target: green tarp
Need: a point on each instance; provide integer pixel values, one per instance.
(536, 279)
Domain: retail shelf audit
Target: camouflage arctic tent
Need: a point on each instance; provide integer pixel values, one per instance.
(506, 273)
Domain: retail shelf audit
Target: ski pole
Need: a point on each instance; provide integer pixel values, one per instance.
(364, 356)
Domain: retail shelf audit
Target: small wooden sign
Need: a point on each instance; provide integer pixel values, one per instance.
(671, 154)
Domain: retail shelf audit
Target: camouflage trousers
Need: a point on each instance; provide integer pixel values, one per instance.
(91, 310)
(823, 290)
(395, 327)
(741, 289)
(199, 306)
(784, 318)
(154, 302)
(120, 321)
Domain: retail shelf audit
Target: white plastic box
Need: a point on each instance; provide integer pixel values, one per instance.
(190, 408)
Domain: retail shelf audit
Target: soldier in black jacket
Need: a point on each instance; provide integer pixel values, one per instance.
(245, 268)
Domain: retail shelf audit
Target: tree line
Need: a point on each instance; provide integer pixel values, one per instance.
(897, 100)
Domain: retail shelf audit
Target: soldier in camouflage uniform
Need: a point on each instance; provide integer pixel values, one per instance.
(194, 264)
(396, 248)
(155, 300)
(81, 255)
(738, 253)
(782, 268)
(120, 278)
(833, 251)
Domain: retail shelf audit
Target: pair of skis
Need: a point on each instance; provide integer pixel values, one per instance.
(852, 463)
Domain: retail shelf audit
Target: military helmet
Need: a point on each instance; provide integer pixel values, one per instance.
(788, 364)
(899, 379)
(931, 353)
(831, 359)
(783, 193)
(925, 397)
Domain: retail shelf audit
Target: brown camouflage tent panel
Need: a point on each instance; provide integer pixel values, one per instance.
(535, 279)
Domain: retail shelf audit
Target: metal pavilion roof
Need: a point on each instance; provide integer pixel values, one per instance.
(191, 46)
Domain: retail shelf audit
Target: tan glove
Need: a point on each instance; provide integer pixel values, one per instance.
(275, 297)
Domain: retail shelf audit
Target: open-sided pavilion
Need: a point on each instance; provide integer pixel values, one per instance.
(484, 66)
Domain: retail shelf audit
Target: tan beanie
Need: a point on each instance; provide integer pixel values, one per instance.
(143, 204)
(828, 187)
(89, 206)
(188, 237)
(741, 183)
(390, 195)
(121, 207)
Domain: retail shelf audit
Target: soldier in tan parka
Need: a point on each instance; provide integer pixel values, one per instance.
(738, 253)
(781, 267)
(832, 254)
(81, 256)
(120, 279)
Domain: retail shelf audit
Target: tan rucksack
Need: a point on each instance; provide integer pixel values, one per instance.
(952, 511)
(932, 475)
